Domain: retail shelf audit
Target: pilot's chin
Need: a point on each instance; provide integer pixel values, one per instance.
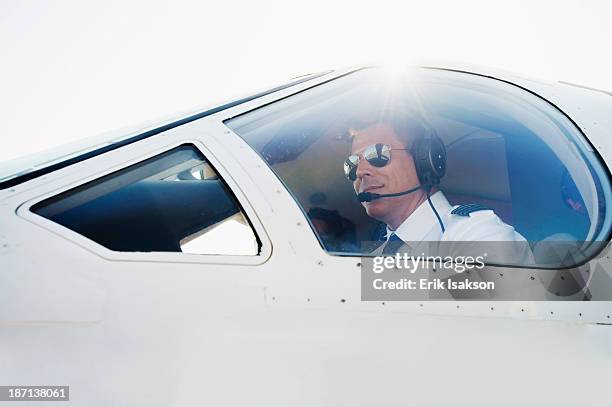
(374, 209)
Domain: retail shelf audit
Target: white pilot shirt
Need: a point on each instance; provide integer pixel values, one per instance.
(480, 226)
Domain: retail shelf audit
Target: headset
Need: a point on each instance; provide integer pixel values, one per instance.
(429, 155)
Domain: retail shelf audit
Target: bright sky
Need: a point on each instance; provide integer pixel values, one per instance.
(73, 69)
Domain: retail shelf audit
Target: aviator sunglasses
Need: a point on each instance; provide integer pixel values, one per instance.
(378, 155)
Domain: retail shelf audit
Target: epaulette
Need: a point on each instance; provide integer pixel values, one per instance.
(465, 210)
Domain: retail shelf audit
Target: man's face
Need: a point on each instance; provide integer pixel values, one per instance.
(398, 175)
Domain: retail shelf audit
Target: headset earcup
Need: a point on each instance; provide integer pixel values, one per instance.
(437, 158)
(429, 156)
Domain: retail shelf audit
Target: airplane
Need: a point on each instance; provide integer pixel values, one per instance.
(217, 258)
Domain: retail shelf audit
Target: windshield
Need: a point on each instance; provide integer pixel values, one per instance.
(509, 155)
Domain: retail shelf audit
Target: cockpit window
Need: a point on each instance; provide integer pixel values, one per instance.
(174, 202)
(511, 166)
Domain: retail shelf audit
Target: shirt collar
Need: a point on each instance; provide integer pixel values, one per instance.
(419, 225)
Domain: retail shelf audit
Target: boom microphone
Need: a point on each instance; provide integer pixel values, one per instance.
(370, 196)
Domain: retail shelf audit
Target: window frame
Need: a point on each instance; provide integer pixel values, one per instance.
(24, 211)
(57, 163)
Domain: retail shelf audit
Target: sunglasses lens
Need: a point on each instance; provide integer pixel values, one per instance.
(350, 167)
(378, 154)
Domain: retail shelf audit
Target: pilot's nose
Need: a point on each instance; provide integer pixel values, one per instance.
(364, 168)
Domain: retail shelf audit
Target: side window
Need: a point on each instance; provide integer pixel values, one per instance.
(174, 202)
(511, 156)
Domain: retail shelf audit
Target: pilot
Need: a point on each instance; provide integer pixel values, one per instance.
(395, 168)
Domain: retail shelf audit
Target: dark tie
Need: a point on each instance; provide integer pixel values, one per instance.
(393, 245)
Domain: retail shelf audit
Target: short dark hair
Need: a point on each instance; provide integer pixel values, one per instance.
(409, 125)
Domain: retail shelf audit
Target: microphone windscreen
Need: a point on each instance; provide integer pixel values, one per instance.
(366, 196)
